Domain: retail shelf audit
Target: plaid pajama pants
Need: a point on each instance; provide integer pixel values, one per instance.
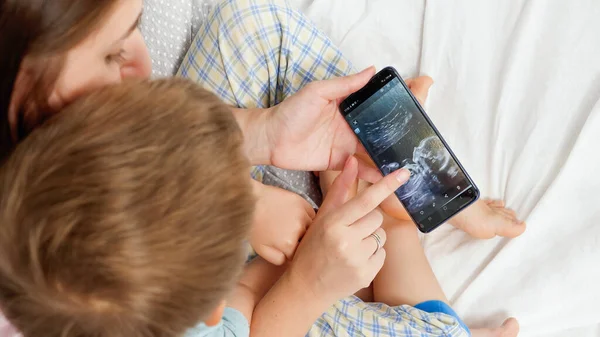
(255, 53)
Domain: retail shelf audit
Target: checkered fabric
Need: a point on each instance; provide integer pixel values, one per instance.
(352, 317)
(255, 53)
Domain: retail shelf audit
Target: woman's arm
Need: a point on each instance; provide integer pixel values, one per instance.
(288, 309)
(258, 277)
(306, 132)
(336, 258)
(253, 123)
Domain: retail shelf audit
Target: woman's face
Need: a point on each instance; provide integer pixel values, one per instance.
(114, 52)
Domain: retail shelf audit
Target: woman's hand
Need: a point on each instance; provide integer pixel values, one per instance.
(420, 88)
(306, 131)
(338, 256)
(281, 219)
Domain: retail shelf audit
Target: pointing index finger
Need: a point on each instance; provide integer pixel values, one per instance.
(372, 197)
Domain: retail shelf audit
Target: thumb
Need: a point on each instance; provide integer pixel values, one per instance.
(341, 87)
(342, 188)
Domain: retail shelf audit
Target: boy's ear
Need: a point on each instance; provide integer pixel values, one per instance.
(217, 315)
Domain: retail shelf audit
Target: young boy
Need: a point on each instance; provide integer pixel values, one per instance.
(115, 224)
(113, 221)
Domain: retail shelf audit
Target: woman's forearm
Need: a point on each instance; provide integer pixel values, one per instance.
(253, 123)
(288, 309)
(258, 277)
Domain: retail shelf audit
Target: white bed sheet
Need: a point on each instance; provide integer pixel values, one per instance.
(517, 95)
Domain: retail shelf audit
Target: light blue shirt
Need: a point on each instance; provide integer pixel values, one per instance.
(233, 324)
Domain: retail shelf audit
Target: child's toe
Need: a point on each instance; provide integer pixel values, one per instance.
(510, 328)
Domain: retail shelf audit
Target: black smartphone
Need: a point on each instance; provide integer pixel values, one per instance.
(396, 132)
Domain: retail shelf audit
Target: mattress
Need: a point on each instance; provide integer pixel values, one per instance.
(516, 95)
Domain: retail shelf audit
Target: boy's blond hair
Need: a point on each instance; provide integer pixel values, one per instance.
(125, 215)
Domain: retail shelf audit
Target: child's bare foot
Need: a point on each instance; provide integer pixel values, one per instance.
(510, 328)
(486, 219)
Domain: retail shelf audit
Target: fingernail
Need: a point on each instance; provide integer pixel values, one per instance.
(402, 175)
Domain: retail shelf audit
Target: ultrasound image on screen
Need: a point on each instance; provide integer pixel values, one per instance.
(397, 135)
(386, 128)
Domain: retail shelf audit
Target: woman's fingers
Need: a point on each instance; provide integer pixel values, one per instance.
(374, 242)
(368, 224)
(367, 200)
(341, 87)
(342, 189)
(375, 263)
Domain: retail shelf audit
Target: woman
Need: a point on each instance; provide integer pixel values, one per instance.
(55, 51)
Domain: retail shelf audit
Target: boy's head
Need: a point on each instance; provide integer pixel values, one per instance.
(125, 215)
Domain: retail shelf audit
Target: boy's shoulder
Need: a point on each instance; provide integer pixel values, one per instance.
(233, 324)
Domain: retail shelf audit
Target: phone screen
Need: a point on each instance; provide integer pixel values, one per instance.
(397, 134)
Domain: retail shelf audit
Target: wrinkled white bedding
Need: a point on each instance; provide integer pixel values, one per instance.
(517, 97)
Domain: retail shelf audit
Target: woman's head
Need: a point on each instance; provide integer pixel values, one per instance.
(54, 51)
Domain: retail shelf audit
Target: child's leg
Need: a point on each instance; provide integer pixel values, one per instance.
(487, 218)
(510, 328)
(325, 180)
(484, 219)
(406, 277)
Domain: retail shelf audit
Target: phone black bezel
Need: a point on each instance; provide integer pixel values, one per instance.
(378, 81)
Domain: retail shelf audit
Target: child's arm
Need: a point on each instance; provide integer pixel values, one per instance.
(258, 277)
(280, 220)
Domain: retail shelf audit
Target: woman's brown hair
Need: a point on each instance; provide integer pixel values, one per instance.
(36, 34)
